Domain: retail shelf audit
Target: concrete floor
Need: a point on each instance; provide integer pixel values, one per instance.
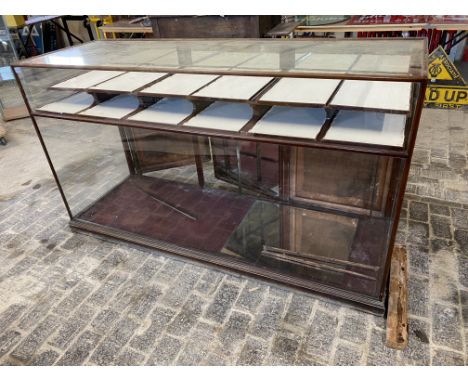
(70, 299)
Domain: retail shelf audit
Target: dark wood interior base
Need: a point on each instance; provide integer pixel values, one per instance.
(241, 232)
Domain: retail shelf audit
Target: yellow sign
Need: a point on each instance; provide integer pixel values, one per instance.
(14, 21)
(441, 69)
(438, 70)
(446, 97)
(447, 89)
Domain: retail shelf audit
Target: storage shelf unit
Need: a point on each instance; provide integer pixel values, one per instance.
(303, 145)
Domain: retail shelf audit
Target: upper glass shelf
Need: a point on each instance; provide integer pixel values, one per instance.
(403, 59)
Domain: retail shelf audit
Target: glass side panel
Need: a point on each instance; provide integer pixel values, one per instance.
(88, 158)
(405, 58)
(317, 216)
(10, 97)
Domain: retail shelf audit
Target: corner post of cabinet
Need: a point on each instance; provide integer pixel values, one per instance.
(403, 182)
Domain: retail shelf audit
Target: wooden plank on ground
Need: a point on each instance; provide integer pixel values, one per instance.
(15, 112)
(397, 317)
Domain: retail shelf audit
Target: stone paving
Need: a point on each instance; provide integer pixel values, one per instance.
(73, 299)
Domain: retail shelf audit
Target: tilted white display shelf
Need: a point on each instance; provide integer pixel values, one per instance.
(358, 111)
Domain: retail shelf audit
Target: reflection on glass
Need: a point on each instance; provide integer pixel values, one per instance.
(303, 212)
(303, 56)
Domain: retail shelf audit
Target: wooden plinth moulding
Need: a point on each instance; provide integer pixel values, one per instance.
(397, 318)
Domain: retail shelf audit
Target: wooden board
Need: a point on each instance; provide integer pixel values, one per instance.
(88, 79)
(326, 235)
(10, 113)
(70, 105)
(319, 177)
(234, 87)
(368, 127)
(117, 107)
(180, 84)
(222, 116)
(397, 318)
(301, 90)
(345, 27)
(129, 82)
(295, 122)
(327, 62)
(168, 110)
(382, 63)
(124, 26)
(212, 26)
(375, 95)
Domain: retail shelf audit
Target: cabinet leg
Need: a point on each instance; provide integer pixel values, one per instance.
(198, 161)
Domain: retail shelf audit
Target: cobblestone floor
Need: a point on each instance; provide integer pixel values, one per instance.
(72, 299)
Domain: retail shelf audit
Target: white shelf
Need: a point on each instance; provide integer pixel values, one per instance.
(168, 110)
(384, 95)
(293, 122)
(117, 107)
(368, 127)
(326, 62)
(88, 79)
(222, 116)
(180, 84)
(234, 87)
(129, 82)
(301, 90)
(70, 105)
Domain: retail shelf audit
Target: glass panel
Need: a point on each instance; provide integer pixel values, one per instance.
(37, 84)
(394, 58)
(314, 215)
(11, 103)
(89, 159)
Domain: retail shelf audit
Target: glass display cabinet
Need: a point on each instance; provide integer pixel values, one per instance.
(285, 159)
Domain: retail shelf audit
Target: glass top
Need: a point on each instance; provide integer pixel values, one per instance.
(376, 58)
